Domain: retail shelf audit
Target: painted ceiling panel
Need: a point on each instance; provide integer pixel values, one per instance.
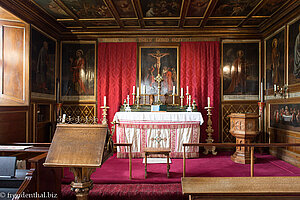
(161, 8)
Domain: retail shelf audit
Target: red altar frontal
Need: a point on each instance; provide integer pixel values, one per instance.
(158, 130)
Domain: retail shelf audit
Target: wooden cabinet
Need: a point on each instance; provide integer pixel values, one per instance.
(42, 121)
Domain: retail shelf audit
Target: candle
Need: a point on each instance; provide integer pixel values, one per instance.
(190, 98)
(133, 89)
(128, 98)
(104, 101)
(182, 92)
(173, 89)
(274, 87)
(261, 92)
(144, 89)
(138, 91)
(208, 101)
(187, 89)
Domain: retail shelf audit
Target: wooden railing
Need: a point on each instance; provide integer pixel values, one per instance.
(252, 146)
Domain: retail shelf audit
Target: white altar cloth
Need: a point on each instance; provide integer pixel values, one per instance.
(158, 129)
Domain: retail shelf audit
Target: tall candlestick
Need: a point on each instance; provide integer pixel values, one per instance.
(208, 101)
(128, 98)
(181, 92)
(261, 92)
(173, 89)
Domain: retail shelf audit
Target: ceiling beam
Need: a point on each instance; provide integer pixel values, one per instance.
(183, 13)
(138, 8)
(69, 12)
(114, 12)
(211, 6)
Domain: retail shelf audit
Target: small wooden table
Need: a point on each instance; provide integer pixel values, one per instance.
(150, 151)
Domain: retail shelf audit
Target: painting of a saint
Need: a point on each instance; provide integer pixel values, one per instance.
(240, 68)
(294, 52)
(159, 60)
(43, 53)
(274, 63)
(78, 71)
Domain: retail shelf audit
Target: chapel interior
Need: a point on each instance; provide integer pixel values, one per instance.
(93, 91)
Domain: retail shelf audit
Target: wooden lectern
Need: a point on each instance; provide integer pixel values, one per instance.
(244, 127)
(82, 147)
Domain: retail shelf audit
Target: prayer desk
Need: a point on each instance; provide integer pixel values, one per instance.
(151, 151)
(233, 188)
(158, 130)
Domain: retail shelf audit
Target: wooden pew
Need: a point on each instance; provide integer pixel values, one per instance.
(246, 188)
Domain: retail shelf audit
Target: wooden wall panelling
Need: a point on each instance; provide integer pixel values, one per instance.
(14, 63)
(234, 107)
(81, 110)
(14, 125)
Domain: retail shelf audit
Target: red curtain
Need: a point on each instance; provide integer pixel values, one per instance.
(116, 75)
(200, 70)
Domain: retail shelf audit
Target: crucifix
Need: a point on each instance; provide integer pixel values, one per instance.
(158, 56)
(158, 78)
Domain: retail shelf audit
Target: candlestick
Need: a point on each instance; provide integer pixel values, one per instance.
(209, 131)
(104, 114)
(104, 100)
(208, 101)
(190, 97)
(128, 98)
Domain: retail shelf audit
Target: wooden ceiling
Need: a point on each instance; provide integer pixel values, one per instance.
(162, 16)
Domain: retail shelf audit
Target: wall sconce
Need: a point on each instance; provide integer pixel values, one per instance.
(282, 91)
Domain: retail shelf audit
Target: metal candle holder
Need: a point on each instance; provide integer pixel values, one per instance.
(181, 101)
(104, 114)
(209, 131)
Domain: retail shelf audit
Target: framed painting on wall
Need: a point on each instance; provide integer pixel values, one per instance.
(163, 60)
(43, 65)
(78, 69)
(240, 69)
(274, 59)
(294, 52)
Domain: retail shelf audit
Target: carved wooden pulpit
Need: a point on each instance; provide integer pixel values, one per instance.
(244, 127)
(83, 148)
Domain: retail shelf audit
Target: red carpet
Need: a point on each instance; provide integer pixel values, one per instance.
(111, 181)
(115, 171)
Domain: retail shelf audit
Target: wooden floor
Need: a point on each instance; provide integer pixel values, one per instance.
(211, 188)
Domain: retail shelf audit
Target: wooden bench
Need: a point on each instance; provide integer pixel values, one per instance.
(241, 187)
(151, 151)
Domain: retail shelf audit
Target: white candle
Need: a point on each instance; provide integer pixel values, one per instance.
(173, 89)
(104, 100)
(182, 92)
(274, 87)
(261, 92)
(144, 89)
(128, 98)
(208, 101)
(137, 91)
(133, 89)
(190, 98)
(187, 89)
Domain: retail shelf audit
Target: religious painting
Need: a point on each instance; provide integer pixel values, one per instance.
(43, 65)
(294, 52)
(125, 8)
(274, 59)
(88, 8)
(78, 70)
(240, 69)
(159, 60)
(51, 7)
(270, 7)
(285, 116)
(197, 8)
(234, 8)
(158, 8)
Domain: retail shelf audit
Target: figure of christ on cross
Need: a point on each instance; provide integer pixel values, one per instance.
(158, 56)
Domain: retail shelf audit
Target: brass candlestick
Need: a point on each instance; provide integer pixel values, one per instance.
(173, 95)
(158, 79)
(133, 98)
(209, 131)
(187, 98)
(138, 102)
(104, 113)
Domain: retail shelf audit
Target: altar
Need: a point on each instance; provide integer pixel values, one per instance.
(158, 130)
